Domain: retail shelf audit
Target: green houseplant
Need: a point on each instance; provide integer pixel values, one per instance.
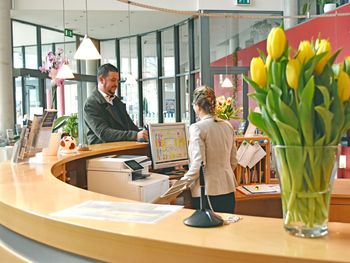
(69, 124)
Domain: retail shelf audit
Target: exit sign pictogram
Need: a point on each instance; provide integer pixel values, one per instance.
(243, 2)
(68, 32)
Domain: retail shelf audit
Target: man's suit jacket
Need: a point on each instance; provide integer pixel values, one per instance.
(107, 123)
(214, 144)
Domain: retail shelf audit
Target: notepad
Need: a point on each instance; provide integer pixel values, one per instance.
(262, 188)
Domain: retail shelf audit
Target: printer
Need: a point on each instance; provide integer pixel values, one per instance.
(125, 176)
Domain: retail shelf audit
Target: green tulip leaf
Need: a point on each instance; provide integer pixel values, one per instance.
(333, 57)
(262, 55)
(290, 135)
(326, 98)
(305, 114)
(276, 137)
(254, 84)
(326, 118)
(258, 97)
(276, 73)
(256, 119)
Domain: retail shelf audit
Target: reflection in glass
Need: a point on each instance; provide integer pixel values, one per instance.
(31, 98)
(24, 35)
(168, 52)
(150, 102)
(107, 49)
(241, 33)
(31, 55)
(169, 100)
(185, 99)
(70, 97)
(17, 57)
(149, 56)
(124, 62)
(184, 60)
(196, 43)
(19, 100)
(130, 95)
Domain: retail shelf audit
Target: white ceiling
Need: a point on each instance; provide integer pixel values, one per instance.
(101, 24)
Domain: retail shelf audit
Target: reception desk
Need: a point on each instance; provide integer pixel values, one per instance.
(30, 192)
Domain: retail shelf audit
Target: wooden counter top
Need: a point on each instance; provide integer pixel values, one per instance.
(29, 193)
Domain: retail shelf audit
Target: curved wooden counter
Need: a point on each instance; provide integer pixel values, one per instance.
(29, 193)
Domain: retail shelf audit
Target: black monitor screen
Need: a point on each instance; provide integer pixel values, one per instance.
(133, 165)
(168, 143)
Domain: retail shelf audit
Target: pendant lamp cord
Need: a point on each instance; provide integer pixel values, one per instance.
(86, 17)
(226, 36)
(129, 37)
(64, 37)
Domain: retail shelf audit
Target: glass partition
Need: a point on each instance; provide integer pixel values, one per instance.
(130, 95)
(150, 101)
(19, 100)
(183, 46)
(24, 35)
(169, 100)
(107, 48)
(196, 43)
(125, 52)
(185, 99)
(167, 44)
(149, 56)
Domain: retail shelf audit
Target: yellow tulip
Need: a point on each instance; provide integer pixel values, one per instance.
(348, 59)
(258, 71)
(343, 86)
(322, 45)
(276, 42)
(293, 73)
(305, 51)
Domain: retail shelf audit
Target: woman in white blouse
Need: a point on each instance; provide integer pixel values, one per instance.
(212, 141)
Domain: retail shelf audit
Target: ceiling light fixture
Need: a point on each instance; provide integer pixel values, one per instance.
(64, 72)
(227, 82)
(87, 49)
(130, 79)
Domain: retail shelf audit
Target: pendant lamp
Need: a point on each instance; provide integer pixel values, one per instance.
(64, 71)
(130, 79)
(87, 50)
(227, 82)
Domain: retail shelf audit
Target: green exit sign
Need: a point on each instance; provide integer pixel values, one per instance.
(243, 2)
(68, 32)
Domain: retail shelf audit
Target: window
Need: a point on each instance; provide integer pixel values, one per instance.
(183, 39)
(149, 56)
(25, 36)
(150, 101)
(108, 52)
(169, 100)
(168, 61)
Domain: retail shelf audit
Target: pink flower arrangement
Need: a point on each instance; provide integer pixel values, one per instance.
(51, 65)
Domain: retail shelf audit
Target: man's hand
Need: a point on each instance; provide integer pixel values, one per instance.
(142, 135)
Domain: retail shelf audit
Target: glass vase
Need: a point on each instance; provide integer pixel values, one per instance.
(306, 175)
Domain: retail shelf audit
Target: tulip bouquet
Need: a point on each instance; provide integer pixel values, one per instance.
(304, 101)
(225, 110)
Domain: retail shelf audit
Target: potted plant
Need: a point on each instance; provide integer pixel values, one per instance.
(69, 124)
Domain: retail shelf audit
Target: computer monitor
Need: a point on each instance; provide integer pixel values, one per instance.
(168, 145)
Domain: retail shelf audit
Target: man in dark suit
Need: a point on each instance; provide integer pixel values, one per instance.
(105, 114)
